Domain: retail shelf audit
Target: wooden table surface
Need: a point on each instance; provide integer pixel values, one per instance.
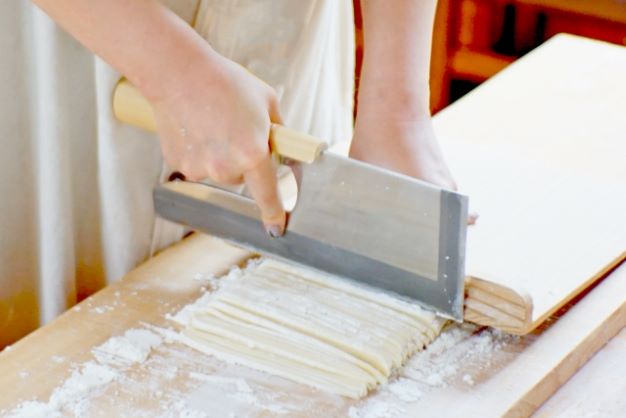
(511, 381)
(509, 376)
(596, 390)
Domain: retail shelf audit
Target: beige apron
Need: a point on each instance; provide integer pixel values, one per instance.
(75, 185)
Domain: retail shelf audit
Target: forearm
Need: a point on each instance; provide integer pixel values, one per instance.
(140, 38)
(396, 61)
(393, 125)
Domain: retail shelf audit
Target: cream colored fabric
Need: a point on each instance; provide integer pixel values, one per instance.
(75, 185)
(309, 327)
(75, 208)
(304, 49)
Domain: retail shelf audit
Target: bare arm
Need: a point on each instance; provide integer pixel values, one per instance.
(212, 116)
(134, 36)
(393, 126)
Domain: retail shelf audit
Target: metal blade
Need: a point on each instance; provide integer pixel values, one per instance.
(351, 219)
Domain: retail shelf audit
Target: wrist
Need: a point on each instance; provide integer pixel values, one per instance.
(378, 126)
(393, 98)
(194, 69)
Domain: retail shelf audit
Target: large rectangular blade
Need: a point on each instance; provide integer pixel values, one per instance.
(351, 219)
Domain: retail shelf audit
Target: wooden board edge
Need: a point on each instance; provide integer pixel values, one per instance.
(572, 361)
(603, 273)
(491, 304)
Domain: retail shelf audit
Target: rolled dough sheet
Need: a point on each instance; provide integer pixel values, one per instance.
(310, 327)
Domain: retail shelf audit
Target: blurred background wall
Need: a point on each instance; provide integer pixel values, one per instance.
(474, 39)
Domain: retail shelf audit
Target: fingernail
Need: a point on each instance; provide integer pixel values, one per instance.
(274, 231)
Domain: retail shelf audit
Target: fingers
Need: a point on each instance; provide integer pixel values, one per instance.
(196, 160)
(263, 186)
(231, 149)
(274, 110)
(262, 183)
(472, 217)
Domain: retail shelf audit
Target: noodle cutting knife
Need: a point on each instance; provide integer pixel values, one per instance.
(351, 219)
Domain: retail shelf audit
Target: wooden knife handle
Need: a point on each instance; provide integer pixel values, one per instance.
(129, 106)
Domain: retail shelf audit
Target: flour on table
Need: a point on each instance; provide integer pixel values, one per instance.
(144, 362)
(405, 389)
(444, 363)
(132, 347)
(237, 389)
(92, 377)
(101, 309)
(58, 359)
(71, 395)
(149, 363)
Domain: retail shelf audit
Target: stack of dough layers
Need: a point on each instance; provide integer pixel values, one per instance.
(309, 327)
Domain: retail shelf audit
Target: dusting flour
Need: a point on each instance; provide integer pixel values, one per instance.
(92, 377)
(147, 373)
(71, 395)
(112, 367)
(132, 347)
(456, 358)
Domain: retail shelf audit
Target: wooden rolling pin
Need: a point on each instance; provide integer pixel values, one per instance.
(131, 107)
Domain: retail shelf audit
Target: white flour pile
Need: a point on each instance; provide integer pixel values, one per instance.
(90, 378)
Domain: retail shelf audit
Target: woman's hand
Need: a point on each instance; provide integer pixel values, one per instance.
(408, 146)
(212, 116)
(393, 126)
(215, 123)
